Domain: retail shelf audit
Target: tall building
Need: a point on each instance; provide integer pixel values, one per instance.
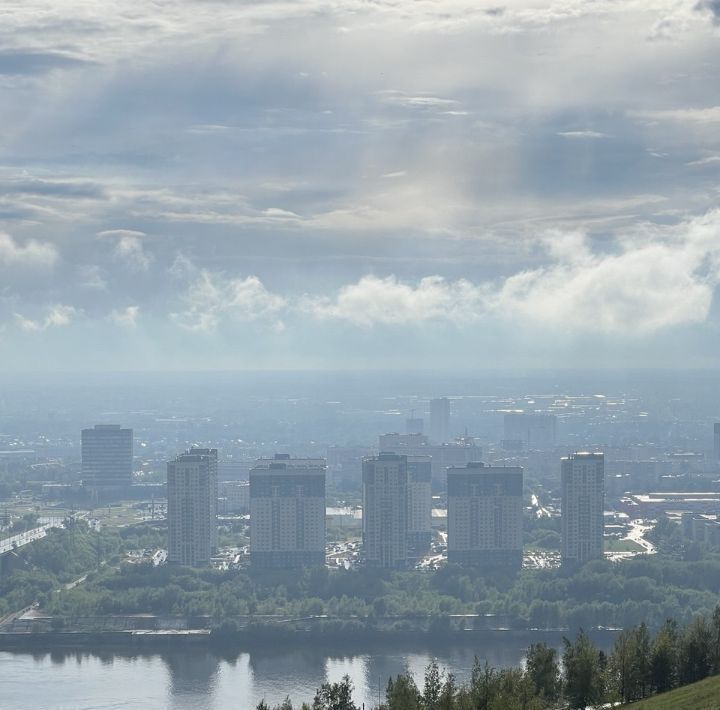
(485, 515)
(716, 441)
(530, 430)
(287, 512)
(439, 420)
(414, 425)
(419, 519)
(107, 456)
(192, 507)
(457, 453)
(583, 500)
(385, 510)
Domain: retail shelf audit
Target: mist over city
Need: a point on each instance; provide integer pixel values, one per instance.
(359, 355)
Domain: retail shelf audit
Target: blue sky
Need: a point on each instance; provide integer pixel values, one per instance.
(345, 183)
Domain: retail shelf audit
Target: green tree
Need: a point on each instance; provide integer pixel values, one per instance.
(584, 682)
(402, 694)
(664, 657)
(432, 687)
(543, 671)
(335, 696)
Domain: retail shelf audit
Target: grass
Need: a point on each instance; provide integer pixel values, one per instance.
(704, 695)
(615, 545)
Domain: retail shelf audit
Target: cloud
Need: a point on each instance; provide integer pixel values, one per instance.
(212, 298)
(387, 301)
(53, 188)
(653, 281)
(57, 316)
(582, 134)
(711, 6)
(709, 114)
(33, 253)
(21, 61)
(129, 248)
(710, 160)
(126, 317)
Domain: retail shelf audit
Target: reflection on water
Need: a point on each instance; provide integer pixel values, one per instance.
(201, 680)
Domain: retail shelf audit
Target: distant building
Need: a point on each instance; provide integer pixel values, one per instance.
(716, 441)
(414, 425)
(439, 420)
(234, 497)
(485, 515)
(419, 504)
(287, 512)
(107, 456)
(385, 511)
(192, 507)
(583, 500)
(535, 431)
(457, 453)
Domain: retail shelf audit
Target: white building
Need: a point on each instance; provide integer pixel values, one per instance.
(583, 501)
(485, 515)
(385, 510)
(107, 456)
(192, 507)
(287, 512)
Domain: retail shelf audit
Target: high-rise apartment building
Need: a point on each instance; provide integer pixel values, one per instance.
(107, 456)
(485, 515)
(287, 512)
(716, 441)
(419, 504)
(439, 420)
(385, 510)
(192, 507)
(583, 500)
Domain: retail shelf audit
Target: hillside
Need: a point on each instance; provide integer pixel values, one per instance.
(704, 695)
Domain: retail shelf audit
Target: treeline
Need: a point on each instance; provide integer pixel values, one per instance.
(602, 593)
(640, 665)
(36, 572)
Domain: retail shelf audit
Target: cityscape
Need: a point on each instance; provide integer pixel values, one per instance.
(359, 355)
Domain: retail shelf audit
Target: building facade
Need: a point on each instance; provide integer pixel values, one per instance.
(192, 507)
(107, 456)
(385, 511)
(583, 502)
(419, 504)
(485, 515)
(287, 512)
(439, 420)
(716, 441)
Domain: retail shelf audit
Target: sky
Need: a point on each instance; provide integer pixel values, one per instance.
(351, 184)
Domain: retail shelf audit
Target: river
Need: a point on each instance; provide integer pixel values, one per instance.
(200, 680)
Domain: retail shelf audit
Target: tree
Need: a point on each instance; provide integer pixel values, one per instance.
(664, 658)
(447, 695)
(432, 687)
(543, 670)
(402, 694)
(584, 683)
(695, 659)
(335, 696)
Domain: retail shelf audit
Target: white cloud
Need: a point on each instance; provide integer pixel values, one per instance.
(33, 253)
(582, 134)
(654, 280)
(388, 301)
(710, 114)
(127, 317)
(212, 297)
(57, 316)
(129, 248)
